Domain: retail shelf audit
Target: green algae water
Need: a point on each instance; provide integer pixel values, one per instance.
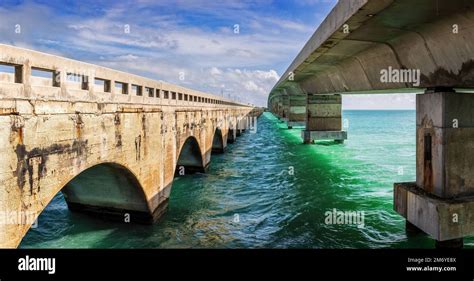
(271, 191)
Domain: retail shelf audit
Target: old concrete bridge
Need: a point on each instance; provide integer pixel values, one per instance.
(398, 46)
(123, 137)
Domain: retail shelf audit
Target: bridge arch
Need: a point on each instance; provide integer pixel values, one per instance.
(106, 189)
(218, 141)
(190, 159)
(107, 186)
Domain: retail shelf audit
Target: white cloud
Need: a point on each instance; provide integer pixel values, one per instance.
(160, 45)
(291, 25)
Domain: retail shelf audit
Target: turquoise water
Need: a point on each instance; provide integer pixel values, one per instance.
(269, 190)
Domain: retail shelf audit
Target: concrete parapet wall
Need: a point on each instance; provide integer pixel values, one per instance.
(52, 134)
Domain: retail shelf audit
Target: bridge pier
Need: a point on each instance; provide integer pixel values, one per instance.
(242, 125)
(239, 127)
(441, 202)
(296, 111)
(323, 119)
(231, 135)
(279, 107)
(285, 107)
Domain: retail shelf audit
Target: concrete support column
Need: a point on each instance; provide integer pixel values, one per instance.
(243, 123)
(273, 105)
(441, 202)
(323, 119)
(231, 136)
(240, 126)
(278, 106)
(232, 133)
(285, 101)
(296, 111)
(274, 108)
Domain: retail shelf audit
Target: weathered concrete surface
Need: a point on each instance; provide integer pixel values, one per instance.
(290, 106)
(53, 131)
(323, 119)
(312, 136)
(360, 38)
(324, 113)
(442, 219)
(441, 202)
(448, 119)
(296, 110)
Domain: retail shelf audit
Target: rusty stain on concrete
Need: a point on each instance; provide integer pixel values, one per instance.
(45, 150)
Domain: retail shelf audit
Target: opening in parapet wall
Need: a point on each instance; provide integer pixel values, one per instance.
(121, 88)
(137, 90)
(12, 73)
(81, 80)
(185, 97)
(166, 94)
(103, 85)
(150, 92)
(45, 77)
(180, 96)
(158, 95)
(173, 95)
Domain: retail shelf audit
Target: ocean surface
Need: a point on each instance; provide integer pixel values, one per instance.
(268, 190)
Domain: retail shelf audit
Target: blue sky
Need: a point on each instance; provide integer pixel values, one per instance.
(170, 37)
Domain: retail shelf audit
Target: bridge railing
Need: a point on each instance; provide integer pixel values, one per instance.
(26, 74)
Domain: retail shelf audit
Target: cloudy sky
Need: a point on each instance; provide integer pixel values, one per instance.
(234, 48)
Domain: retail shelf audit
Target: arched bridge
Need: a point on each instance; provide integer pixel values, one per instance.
(110, 141)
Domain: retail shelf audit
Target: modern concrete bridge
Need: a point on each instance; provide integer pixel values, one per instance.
(112, 142)
(398, 46)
